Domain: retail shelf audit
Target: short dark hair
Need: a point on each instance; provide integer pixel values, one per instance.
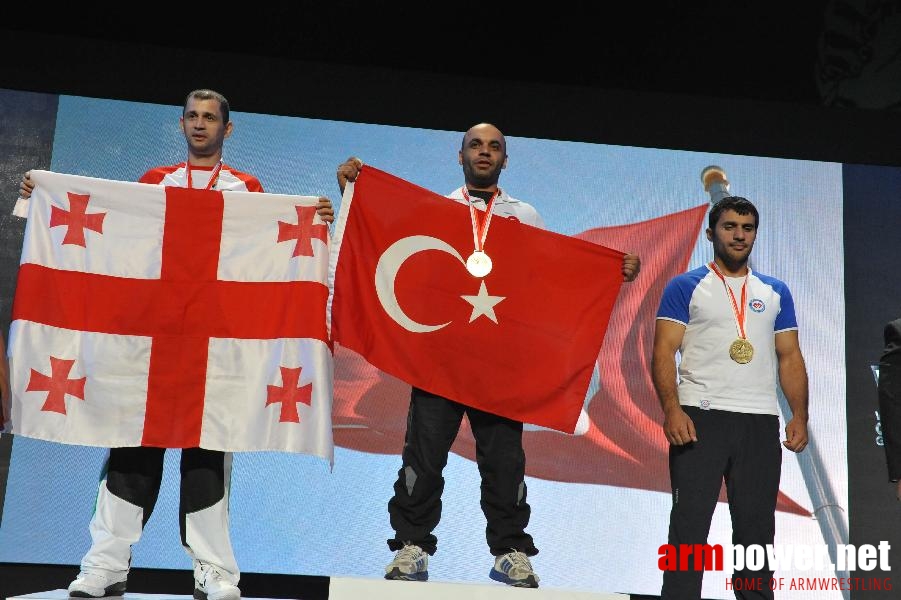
(209, 95)
(740, 205)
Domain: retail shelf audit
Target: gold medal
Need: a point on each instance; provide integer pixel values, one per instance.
(741, 351)
(478, 264)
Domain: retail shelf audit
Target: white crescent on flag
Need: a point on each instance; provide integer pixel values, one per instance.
(390, 263)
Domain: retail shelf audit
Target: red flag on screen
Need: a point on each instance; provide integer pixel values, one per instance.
(622, 444)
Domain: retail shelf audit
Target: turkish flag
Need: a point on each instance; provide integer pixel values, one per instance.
(622, 443)
(170, 317)
(520, 342)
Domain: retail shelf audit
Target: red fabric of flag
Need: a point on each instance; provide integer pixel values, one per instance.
(520, 342)
(624, 445)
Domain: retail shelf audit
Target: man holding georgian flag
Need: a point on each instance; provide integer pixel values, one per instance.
(188, 316)
(495, 319)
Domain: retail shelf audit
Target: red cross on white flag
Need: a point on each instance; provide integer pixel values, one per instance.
(172, 323)
(76, 219)
(57, 385)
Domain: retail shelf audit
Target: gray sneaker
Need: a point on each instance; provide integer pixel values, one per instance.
(214, 585)
(98, 584)
(410, 563)
(514, 569)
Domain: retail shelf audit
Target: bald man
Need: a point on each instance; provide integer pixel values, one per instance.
(434, 421)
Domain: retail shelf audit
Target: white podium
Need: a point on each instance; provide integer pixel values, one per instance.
(351, 588)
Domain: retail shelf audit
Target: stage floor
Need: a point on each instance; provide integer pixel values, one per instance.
(64, 595)
(352, 588)
(348, 588)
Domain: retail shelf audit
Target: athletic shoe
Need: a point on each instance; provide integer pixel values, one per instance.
(98, 584)
(410, 563)
(214, 585)
(514, 569)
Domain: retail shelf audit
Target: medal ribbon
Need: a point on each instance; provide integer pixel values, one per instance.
(480, 226)
(739, 314)
(214, 176)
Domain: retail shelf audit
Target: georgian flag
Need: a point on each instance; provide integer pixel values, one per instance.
(170, 317)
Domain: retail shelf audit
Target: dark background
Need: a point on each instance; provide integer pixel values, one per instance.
(872, 292)
(810, 80)
(815, 79)
(801, 52)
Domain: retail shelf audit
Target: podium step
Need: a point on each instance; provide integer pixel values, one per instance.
(64, 595)
(351, 588)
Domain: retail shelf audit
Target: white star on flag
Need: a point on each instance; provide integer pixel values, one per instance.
(483, 304)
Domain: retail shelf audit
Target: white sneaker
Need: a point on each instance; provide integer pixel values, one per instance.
(214, 585)
(98, 584)
(410, 563)
(514, 569)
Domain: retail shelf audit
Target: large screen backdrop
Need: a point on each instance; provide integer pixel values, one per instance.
(600, 500)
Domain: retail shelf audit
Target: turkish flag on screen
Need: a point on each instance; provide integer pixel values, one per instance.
(520, 342)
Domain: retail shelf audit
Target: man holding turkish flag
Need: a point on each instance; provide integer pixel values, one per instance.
(513, 340)
(186, 314)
